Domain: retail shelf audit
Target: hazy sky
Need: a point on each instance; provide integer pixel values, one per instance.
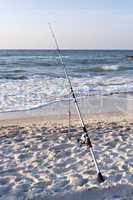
(86, 24)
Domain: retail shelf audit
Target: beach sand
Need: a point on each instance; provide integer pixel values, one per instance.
(40, 159)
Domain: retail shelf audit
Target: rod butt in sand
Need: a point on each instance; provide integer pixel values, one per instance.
(100, 178)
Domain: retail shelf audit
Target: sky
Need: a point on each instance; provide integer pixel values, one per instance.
(78, 24)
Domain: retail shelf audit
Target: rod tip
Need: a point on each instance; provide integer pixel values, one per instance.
(100, 178)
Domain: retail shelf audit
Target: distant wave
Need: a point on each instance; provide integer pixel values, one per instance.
(90, 61)
(13, 77)
(104, 68)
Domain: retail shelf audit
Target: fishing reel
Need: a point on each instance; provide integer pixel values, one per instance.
(84, 139)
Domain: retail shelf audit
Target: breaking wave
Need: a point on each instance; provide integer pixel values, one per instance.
(104, 68)
(30, 79)
(35, 92)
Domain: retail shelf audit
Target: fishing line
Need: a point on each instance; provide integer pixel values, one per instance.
(85, 137)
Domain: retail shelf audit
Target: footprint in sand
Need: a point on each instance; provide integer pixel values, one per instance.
(39, 187)
(77, 180)
(58, 185)
(21, 188)
(5, 187)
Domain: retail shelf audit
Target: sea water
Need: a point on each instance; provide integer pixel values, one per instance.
(33, 78)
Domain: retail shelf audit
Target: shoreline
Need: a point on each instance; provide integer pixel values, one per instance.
(63, 120)
(92, 109)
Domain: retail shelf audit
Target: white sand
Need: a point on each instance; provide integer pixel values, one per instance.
(45, 162)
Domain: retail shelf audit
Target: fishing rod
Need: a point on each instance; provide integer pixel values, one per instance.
(85, 137)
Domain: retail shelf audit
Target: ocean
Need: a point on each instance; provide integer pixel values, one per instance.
(33, 78)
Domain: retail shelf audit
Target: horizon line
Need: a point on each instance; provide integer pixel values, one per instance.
(67, 49)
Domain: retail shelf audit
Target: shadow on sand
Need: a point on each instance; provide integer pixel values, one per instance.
(119, 192)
